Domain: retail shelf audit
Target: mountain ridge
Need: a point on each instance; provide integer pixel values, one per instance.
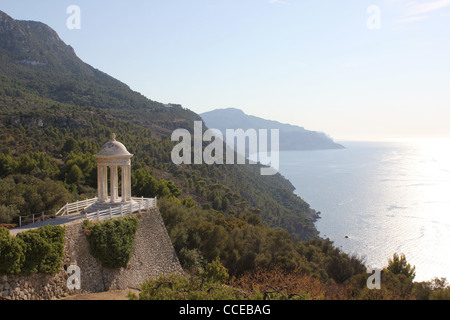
(33, 56)
(292, 137)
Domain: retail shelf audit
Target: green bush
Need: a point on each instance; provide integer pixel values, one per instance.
(215, 272)
(11, 253)
(206, 286)
(8, 213)
(191, 259)
(441, 294)
(43, 249)
(35, 251)
(112, 241)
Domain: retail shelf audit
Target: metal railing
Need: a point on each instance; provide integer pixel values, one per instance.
(77, 206)
(37, 217)
(138, 205)
(68, 208)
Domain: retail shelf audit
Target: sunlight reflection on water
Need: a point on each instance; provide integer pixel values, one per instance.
(385, 197)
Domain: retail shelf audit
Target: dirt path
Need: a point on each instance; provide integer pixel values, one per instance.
(110, 295)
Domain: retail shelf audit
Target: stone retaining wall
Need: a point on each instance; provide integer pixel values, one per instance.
(34, 287)
(153, 255)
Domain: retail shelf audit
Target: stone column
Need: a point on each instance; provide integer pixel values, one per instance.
(129, 182)
(116, 183)
(105, 183)
(124, 185)
(100, 183)
(113, 183)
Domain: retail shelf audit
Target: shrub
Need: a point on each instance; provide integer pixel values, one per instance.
(191, 260)
(112, 241)
(202, 287)
(441, 294)
(188, 202)
(35, 251)
(279, 284)
(8, 213)
(43, 249)
(11, 253)
(215, 272)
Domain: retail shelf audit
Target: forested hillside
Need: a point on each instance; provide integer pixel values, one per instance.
(56, 112)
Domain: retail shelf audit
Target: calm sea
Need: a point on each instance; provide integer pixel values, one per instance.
(377, 199)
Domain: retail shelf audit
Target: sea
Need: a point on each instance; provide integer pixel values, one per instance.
(380, 198)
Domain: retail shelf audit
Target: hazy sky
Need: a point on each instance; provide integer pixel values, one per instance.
(355, 69)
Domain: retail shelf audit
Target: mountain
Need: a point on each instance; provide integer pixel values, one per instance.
(55, 113)
(291, 137)
(33, 57)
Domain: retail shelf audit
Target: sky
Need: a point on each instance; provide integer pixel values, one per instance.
(355, 69)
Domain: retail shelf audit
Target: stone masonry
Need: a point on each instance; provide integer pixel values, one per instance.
(153, 255)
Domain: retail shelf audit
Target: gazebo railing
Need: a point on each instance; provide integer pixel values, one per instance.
(74, 207)
(137, 205)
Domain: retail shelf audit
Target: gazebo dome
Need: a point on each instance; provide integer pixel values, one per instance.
(113, 148)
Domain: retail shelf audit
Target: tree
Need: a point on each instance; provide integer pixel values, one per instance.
(215, 272)
(340, 269)
(8, 213)
(398, 277)
(434, 289)
(85, 171)
(191, 260)
(69, 145)
(188, 202)
(217, 203)
(7, 165)
(398, 265)
(75, 175)
(225, 204)
(440, 294)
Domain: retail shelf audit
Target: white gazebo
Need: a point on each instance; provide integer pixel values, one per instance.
(114, 155)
